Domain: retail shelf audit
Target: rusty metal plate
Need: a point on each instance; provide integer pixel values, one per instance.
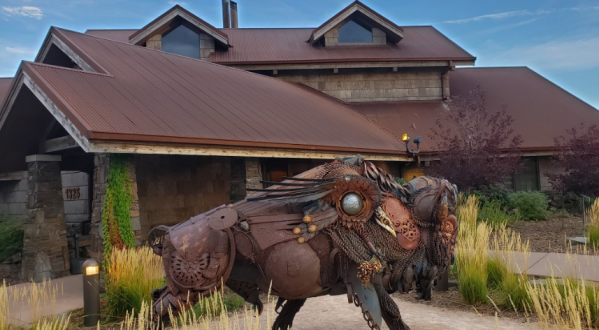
(222, 218)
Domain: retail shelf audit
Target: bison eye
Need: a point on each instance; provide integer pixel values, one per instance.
(352, 203)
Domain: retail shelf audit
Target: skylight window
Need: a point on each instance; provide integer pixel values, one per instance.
(182, 41)
(354, 33)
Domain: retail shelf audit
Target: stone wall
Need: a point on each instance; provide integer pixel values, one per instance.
(13, 198)
(172, 189)
(45, 250)
(354, 85)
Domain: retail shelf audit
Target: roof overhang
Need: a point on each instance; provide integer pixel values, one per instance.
(364, 13)
(100, 142)
(163, 24)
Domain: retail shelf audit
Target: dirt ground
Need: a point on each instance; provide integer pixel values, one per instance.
(550, 235)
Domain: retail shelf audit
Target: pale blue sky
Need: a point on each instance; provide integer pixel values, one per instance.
(557, 38)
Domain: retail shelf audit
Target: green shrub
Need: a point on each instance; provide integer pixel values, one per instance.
(494, 215)
(495, 193)
(529, 205)
(594, 236)
(11, 236)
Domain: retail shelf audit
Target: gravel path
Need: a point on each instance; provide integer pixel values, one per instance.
(334, 313)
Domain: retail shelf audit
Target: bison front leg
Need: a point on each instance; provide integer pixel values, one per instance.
(285, 319)
(389, 309)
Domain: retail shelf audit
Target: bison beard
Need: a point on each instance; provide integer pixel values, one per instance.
(345, 227)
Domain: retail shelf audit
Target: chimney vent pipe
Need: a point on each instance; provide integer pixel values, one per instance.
(234, 23)
(226, 14)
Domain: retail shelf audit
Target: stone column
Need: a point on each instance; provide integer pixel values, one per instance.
(101, 166)
(45, 250)
(253, 173)
(134, 210)
(245, 173)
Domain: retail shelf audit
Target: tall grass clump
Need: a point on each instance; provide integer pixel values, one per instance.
(593, 229)
(4, 307)
(245, 319)
(505, 277)
(567, 304)
(131, 276)
(471, 252)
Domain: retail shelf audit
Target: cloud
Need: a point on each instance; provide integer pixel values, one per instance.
(516, 13)
(20, 50)
(560, 55)
(24, 11)
(496, 16)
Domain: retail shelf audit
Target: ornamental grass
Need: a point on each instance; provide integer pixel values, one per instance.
(471, 252)
(131, 276)
(564, 304)
(593, 228)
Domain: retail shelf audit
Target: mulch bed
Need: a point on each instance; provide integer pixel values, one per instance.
(551, 235)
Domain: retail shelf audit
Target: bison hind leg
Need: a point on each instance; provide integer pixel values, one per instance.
(285, 319)
(389, 309)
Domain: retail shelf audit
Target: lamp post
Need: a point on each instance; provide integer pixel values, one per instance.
(417, 140)
(91, 293)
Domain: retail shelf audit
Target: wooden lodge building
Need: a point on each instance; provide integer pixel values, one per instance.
(205, 112)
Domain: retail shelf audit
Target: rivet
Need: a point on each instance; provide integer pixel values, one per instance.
(297, 230)
(301, 240)
(312, 228)
(308, 219)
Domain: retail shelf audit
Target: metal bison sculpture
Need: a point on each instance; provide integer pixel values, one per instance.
(345, 227)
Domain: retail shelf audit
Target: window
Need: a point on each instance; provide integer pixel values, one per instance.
(526, 177)
(354, 33)
(182, 41)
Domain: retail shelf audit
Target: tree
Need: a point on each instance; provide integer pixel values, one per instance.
(476, 149)
(579, 157)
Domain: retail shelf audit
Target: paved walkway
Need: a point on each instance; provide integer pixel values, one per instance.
(334, 313)
(557, 264)
(69, 296)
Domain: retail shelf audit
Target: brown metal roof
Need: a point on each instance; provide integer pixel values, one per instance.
(541, 109)
(269, 46)
(149, 95)
(5, 84)
(116, 35)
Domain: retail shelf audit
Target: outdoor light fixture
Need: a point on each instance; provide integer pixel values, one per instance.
(91, 293)
(406, 139)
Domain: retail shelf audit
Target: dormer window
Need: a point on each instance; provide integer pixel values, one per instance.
(182, 41)
(354, 33)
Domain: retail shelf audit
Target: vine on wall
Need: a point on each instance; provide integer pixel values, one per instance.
(116, 216)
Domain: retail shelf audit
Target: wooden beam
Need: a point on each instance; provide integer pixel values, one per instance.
(347, 65)
(58, 144)
(13, 176)
(203, 150)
